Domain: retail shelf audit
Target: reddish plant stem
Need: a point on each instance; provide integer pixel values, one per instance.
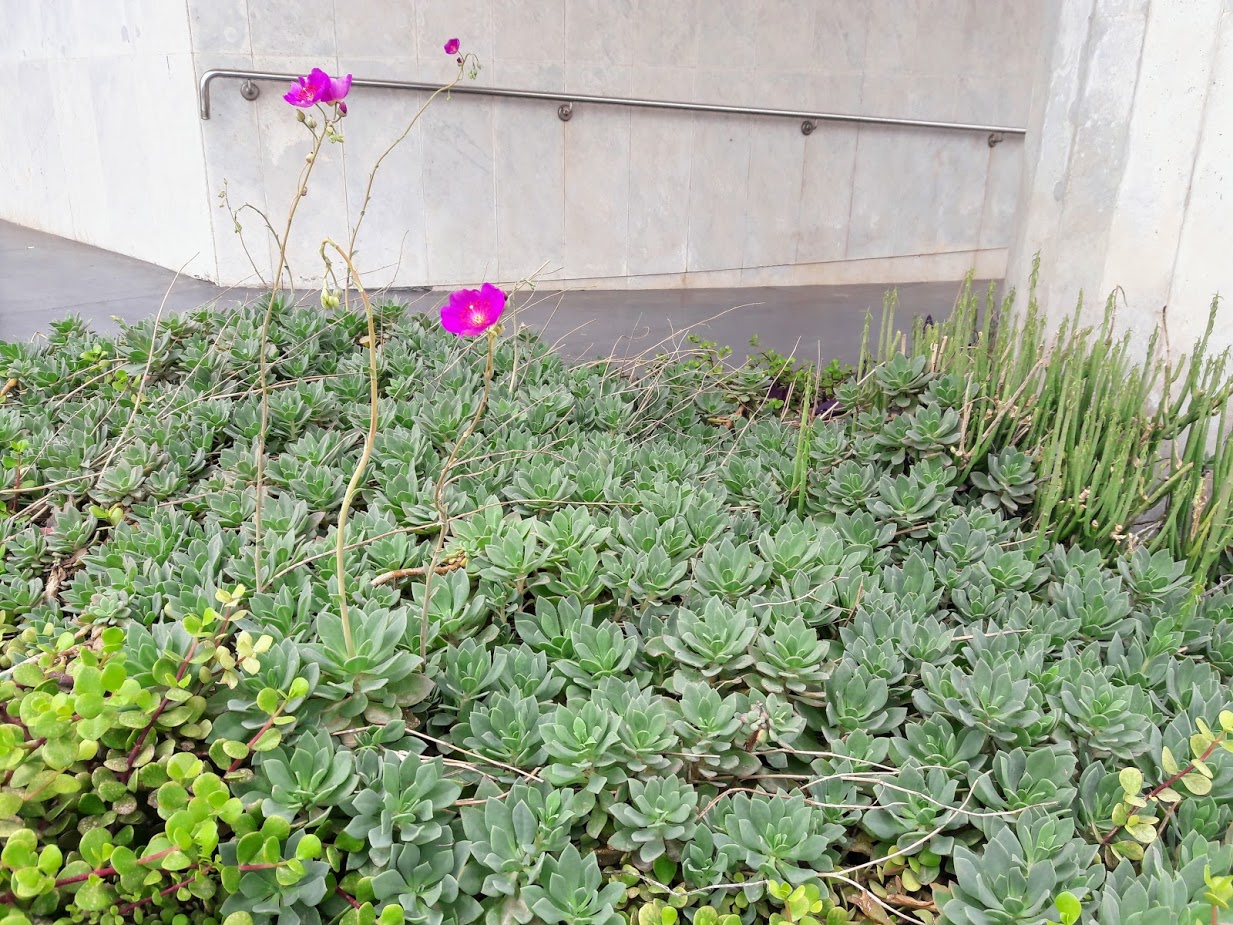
(32, 794)
(141, 739)
(348, 897)
(126, 909)
(226, 627)
(9, 897)
(15, 719)
(1161, 788)
(16, 485)
(188, 658)
(1156, 791)
(6, 898)
(255, 739)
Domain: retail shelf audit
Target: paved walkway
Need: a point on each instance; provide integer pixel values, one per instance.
(44, 278)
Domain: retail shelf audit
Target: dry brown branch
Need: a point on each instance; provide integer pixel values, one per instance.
(400, 573)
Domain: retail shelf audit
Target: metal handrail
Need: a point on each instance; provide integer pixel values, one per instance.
(567, 100)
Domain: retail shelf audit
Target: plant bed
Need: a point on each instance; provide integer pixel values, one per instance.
(614, 648)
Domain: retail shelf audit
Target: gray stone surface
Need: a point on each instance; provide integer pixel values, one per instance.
(1126, 184)
(103, 143)
(44, 278)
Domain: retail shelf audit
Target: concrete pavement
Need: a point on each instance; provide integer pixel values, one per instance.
(44, 278)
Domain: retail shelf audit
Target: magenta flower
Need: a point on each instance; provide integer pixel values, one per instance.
(470, 312)
(319, 87)
(339, 88)
(452, 46)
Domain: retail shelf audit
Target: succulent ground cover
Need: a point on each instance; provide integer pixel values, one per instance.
(1130, 440)
(614, 648)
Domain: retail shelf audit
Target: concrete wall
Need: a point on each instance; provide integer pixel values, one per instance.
(496, 189)
(101, 142)
(1128, 181)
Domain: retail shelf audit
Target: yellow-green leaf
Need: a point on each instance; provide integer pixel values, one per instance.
(1168, 762)
(1197, 784)
(1199, 744)
(1068, 907)
(269, 739)
(268, 701)
(1142, 832)
(1130, 850)
(10, 803)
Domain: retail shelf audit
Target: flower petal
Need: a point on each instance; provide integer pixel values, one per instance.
(472, 311)
(451, 47)
(319, 82)
(339, 88)
(492, 302)
(458, 321)
(462, 299)
(299, 95)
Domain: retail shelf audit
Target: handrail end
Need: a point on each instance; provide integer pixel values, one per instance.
(203, 93)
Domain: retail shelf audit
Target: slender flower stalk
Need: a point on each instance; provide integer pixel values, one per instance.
(315, 89)
(264, 360)
(372, 175)
(369, 440)
(438, 496)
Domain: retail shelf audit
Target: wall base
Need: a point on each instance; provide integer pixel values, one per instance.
(989, 263)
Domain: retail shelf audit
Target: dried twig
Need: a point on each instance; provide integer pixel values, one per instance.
(419, 572)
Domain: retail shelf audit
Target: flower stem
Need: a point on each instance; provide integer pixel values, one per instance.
(358, 475)
(438, 494)
(372, 176)
(301, 190)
